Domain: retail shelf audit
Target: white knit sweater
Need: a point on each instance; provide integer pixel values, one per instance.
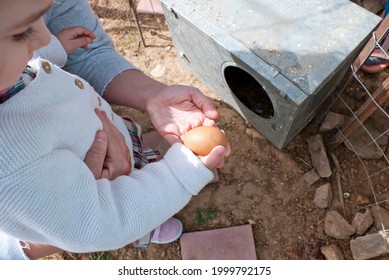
(48, 195)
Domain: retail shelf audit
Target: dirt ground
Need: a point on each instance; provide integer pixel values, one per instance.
(259, 184)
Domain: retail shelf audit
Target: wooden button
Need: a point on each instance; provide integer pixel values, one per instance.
(79, 83)
(99, 99)
(46, 66)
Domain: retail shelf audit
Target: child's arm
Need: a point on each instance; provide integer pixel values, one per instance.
(92, 64)
(53, 52)
(57, 201)
(64, 43)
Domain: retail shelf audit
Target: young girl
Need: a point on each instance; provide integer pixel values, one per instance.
(64, 43)
(48, 194)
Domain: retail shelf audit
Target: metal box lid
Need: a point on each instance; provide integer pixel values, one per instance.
(305, 40)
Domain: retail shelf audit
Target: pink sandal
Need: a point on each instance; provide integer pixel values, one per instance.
(168, 232)
(376, 62)
(378, 59)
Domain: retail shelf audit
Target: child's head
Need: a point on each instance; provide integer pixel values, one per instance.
(22, 31)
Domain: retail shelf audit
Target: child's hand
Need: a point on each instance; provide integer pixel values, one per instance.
(75, 37)
(216, 158)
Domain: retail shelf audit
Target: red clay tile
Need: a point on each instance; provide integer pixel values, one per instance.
(150, 7)
(233, 243)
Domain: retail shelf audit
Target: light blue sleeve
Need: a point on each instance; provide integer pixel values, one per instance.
(56, 201)
(101, 62)
(10, 248)
(53, 52)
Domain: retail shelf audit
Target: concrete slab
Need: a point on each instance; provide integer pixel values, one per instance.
(233, 243)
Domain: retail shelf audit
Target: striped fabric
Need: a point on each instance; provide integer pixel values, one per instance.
(26, 77)
(142, 155)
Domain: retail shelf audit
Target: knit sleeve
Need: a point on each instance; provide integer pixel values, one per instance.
(57, 201)
(53, 52)
(10, 248)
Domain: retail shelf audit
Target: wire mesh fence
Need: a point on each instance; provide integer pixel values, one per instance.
(365, 133)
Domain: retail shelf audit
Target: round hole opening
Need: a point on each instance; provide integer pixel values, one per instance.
(246, 88)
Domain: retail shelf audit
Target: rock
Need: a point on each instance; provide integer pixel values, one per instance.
(362, 200)
(336, 226)
(311, 177)
(380, 120)
(369, 246)
(359, 94)
(323, 196)
(331, 121)
(257, 135)
(253, 133)
(332, 252)
(319, 156)
(361, 143)
(372, 6)
(158, 71)
(362, 221)
(309, 251)
(380, 216)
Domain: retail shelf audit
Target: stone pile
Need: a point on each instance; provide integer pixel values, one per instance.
(363, 245)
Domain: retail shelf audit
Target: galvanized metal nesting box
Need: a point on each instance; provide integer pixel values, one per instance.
(274, 62)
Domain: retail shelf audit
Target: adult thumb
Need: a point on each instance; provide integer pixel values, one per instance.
(95, 156)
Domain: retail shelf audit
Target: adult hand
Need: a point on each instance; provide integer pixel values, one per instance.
(95, 156)
(109, 156)
(117, 161)
(177, 108)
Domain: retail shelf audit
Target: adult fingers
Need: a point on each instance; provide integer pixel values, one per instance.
(116, 142)
(107, 125)
(209, 122)
(204, 103)
(117, 161)
(95, 156)
(172, 138)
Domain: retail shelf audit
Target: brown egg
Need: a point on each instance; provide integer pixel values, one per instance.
(202, 139)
